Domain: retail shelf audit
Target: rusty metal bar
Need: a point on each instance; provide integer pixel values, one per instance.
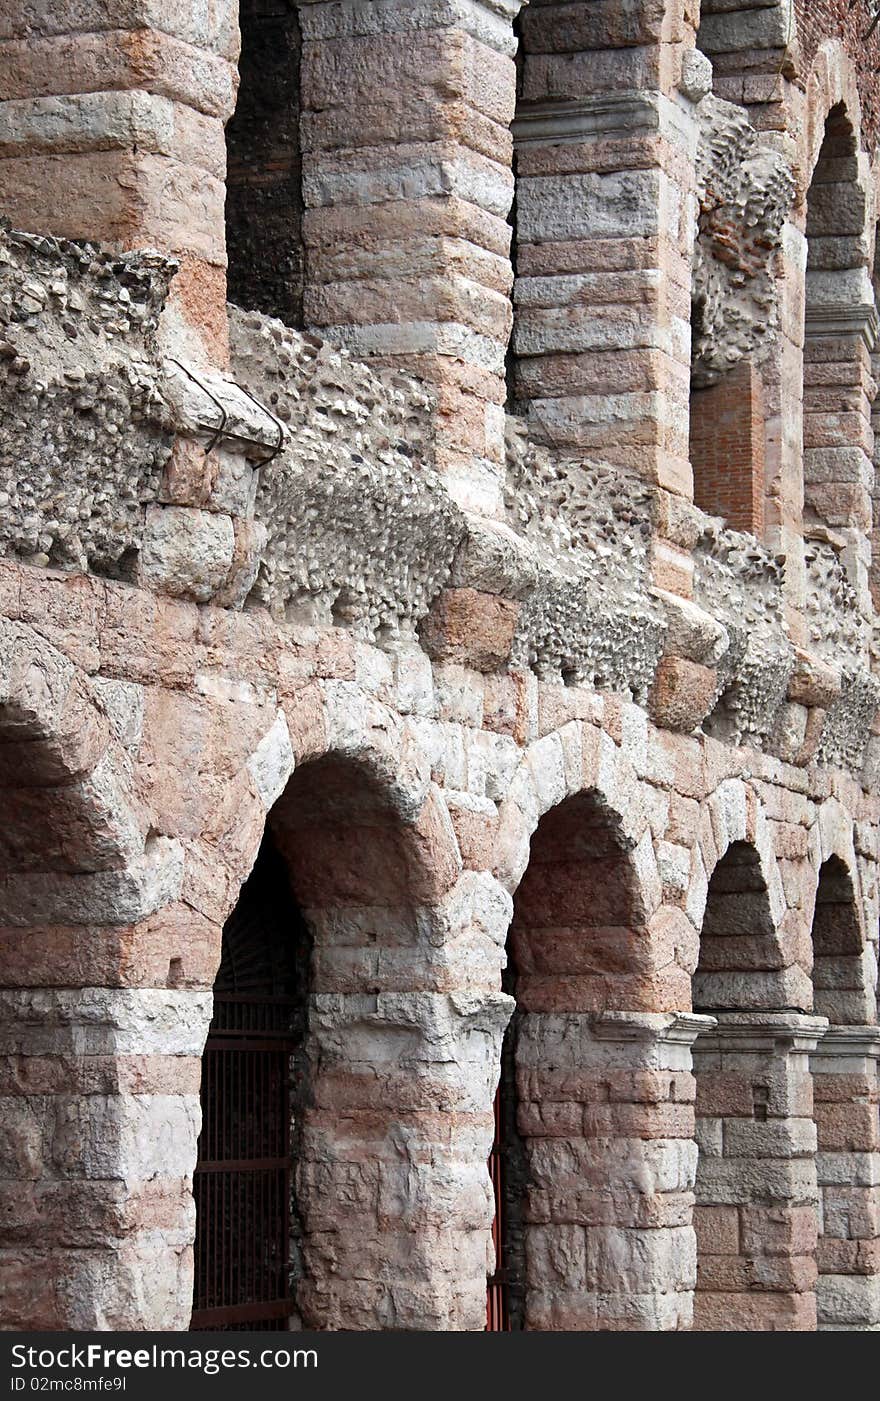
(497, 1298)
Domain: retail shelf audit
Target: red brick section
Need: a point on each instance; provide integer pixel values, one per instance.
(818, 20)
(727, 448)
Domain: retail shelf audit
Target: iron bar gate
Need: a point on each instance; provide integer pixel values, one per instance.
(497, 1302)
(242, 1182)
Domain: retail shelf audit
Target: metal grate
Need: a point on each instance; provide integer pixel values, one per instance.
(497, 1298)
(242, 1184)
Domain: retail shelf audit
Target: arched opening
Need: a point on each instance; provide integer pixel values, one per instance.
(755, 1194)
(591, 1238)
(740, 958)
(246, 1220)
(97, 1043)
(386, 1231)
(264, 197)
(844, 1067)
(839, 980)
(508, 1171)
(840, 333)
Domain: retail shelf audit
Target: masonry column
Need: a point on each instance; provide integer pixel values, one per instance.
(99, 1101)
(845, 1091)
(605, 1109)
(407, 184)
(605, 221)
(757, 1196)
(112, 130)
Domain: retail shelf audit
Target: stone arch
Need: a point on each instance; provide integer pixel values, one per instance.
(840, 317)
(832, 82)
(755, 1140)
(590, 952)
(843, 987)
(844, 1068)
(733, 816)
(838, 910)
(403, 1017)
(738, 943)
(572, 761)
(97, 1052)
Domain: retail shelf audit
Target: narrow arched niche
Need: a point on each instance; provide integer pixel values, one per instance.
(740, 962)
(579, 1176)
(381, 1126)
(844, 1068)
(840, 331)
(577, 934)
(755, 1199)
(840, 993)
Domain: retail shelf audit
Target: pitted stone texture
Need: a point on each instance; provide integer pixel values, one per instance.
(745, 192)
(82, 444)
(359, 461)
(740, 583)
(589, 617)
(837, 629)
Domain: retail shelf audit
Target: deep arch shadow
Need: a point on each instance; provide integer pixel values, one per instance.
(385, 1236)
(581, 1165)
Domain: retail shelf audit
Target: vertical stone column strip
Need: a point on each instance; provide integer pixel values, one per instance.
(757, 1195)
(605, 1109)
(99, 1098)
(112, 130)
(407, 184)
(391, 1177)
(605, 221)
(845, 1092)
(840, 333)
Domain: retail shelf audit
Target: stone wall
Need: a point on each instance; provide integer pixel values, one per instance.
(498, 687)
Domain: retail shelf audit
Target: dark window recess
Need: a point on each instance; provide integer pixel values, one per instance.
(264, 205)
(245, 1212)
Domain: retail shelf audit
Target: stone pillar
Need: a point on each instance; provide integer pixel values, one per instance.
(99, 1100)
(113, 131)
(838, 433)
(845, 1092)
(757, 1198)
(783, 375)
(407, 183)
(392, 1187)
(605, 1110)
(840, 332)
(605, 220)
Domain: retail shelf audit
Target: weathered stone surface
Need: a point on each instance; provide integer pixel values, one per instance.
(424, 612)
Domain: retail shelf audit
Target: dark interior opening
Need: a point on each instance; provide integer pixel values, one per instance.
(264, 201)
(246, 1247)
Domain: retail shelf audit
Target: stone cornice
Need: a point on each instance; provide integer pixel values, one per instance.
(849, 1042)
(681, 1028)
(565, 120)
(763, 1031)
(844, 319)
